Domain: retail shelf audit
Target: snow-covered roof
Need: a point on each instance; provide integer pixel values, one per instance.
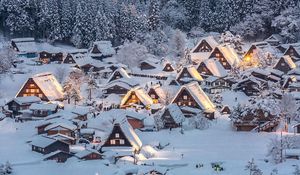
(122, 83)
(131, 135)
(26, 100)
(141, 94)
(215, 67)
(65, 125)
(199, 96)
(43, 106)
(175, 113)
(105, 48)
(210, 40)
(86, 152)
(41, 141)
(60, 136)
(158, 90)
(49, 86)
(230, 54)
(192, 71)
(287, 59)
(17, 40)
(122, 72)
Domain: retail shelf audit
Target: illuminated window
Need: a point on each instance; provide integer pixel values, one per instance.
(185, 97)
(117, 135)
(168, 68)
(27, 90)
(31, 85)
(122, 142)
(224, 64)
(282, 64)
(112, 142)
(218, 55)
(37, 90)
(40, 95)
(190, 103)
(179, 103)
(32, 90)
(152, 96)
(24, 95)
(133, 97)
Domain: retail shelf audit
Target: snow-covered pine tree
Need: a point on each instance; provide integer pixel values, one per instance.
(18, 20)
(154, 15)
(173, 14)
(67, 18)
(103, 26)
(78, 30)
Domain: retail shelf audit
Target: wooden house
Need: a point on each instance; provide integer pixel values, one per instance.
(216, 85)
(285, 64)
(226, 55)
(149, 64)
(101, 50)
(172, 116)
(120, 87)
(293, 51)
(47, 57)
(256, 120)
(87, 134)
(21, 103)
(167, 66)
(250, 86)
(45, 86)
(61, 128)
(47, 145)
(188, 74)
(225, 110)
(135, 119)
(256, 49)
(25, 47)
(67, 139)
(292, 83)
(69, 59)
(136, 98)
(211, 67)
(192, 95)
(59, 156)
(275, 40)
(203, 49)
(122, 136)
(43, 109)
(41, 127)
(118, 74)
(88, 154)
(157, 93)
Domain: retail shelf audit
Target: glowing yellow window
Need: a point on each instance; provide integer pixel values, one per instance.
(31, 85)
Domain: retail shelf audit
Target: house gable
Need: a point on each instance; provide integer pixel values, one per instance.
(203, 47)
(117, 138)
(184, 98)
(292, 52)
(30, 88)
(220, 56)
(69, 59)
(282, 66)
(168, 68)
(95, 50)
(203, 69)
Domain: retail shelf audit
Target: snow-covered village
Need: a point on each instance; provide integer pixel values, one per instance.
(150, 87)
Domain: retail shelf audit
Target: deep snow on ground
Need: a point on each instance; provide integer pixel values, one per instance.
(219, 143)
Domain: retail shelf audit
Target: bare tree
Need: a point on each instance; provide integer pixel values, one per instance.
(288, 109)
(252, 168)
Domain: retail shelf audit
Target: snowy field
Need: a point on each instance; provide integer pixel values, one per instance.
(216, 144)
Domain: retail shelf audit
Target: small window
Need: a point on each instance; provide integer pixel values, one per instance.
(32, 90)
(224, 64)
(117, 135)
(152, 96)
(190, 103)
(31, 85)
(122, 142)
(112, 142)
(185, 97)
(282, 64)
(218, 55)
